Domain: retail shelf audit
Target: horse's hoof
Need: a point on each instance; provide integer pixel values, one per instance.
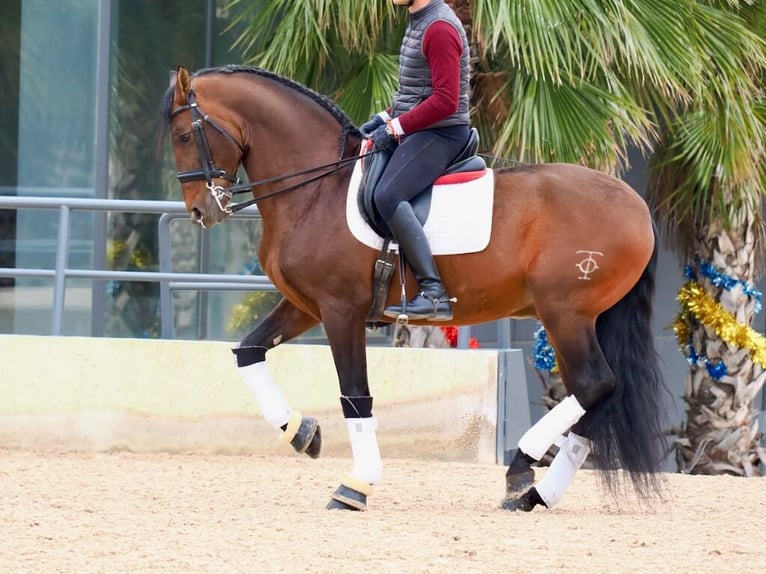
(315, 446)
(308, 437)
(346, 498)
(515, 484)
(526, 502)
(514, 504)
(338, 505)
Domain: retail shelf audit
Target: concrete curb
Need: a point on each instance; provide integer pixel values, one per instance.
(98, 394)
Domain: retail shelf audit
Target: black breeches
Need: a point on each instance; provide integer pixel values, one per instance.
(415, 164)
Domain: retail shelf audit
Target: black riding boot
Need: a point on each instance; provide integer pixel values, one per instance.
(432, 302)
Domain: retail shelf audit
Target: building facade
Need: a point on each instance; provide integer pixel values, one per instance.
(79, 117)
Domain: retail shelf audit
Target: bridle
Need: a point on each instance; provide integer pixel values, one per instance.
(210, 171)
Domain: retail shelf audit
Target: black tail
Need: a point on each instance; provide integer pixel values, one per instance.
(628, 427)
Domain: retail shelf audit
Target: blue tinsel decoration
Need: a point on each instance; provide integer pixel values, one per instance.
(715, 369)
(723, 281)
(545, 356)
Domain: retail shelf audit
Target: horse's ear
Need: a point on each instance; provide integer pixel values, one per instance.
(183, 86)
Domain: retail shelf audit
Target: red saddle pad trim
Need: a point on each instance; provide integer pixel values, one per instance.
(459, 177)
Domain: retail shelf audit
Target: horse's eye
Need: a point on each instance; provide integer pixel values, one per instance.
(185, 138)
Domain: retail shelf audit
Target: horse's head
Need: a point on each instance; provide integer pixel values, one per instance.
(207, 154)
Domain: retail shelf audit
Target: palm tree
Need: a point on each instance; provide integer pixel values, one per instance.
(707, 185)
(584, 82)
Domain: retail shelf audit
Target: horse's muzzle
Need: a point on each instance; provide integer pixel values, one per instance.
(207, 213)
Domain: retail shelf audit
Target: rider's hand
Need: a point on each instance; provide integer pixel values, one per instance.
(383, 140)
(374, 123)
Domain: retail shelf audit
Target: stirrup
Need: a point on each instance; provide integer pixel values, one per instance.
(402, 316)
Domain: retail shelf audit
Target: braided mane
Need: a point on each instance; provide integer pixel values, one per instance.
(329, 105)
(348, 126)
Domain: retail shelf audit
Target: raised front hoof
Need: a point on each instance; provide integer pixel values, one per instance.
(345, 498)
(517, 483)
(308, 438)
(526, 502)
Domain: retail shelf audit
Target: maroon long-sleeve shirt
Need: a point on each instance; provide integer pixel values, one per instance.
(442, 48)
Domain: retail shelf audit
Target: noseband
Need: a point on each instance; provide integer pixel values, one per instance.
(209, 171)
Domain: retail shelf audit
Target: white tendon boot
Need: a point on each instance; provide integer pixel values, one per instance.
(270, 399)
(538, 439)
(566, 463)
(367, 468)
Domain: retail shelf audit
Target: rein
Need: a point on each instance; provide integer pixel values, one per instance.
(209, 171)
(330, 168)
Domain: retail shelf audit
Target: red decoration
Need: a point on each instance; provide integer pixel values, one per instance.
(450, 333)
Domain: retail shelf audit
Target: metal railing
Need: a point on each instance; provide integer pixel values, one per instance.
(169, 281)
(198, 281)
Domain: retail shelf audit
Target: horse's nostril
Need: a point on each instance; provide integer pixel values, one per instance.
(196, 214)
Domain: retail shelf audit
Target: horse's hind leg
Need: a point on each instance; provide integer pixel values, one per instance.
(587, 377)
(285, 322)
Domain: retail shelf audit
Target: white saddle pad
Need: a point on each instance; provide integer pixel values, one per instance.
(460, 220)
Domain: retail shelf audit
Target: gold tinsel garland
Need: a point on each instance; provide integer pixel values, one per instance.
(695, 302)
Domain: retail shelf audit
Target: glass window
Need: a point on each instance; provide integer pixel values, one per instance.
(49, 55)
(150, 40)
(79, 117)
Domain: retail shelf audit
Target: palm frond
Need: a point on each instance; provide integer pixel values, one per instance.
(367, 85)
(578, 123)
(560, 41)
(307, 40)
(707, 156)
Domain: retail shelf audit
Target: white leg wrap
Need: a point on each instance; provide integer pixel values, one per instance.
(538, 439)
(364, 448)
(270, 399)
(566, 463)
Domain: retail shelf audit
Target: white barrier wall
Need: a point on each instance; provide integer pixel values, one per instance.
(95, 394)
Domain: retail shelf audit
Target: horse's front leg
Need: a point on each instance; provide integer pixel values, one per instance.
(346, 334)
(285, 322)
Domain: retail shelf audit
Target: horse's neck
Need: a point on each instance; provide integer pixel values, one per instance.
(321, 200)
(290, 133)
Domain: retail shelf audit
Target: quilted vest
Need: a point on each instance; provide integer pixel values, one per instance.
(415, 83)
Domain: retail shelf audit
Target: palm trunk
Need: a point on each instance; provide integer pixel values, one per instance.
(489, 111)
(721, 435)
(464, 11)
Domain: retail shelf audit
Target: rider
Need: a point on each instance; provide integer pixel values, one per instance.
(425, 129)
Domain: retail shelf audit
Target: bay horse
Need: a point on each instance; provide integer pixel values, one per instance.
(570, 246)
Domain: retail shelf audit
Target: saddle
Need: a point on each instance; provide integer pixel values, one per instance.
(466, 166)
